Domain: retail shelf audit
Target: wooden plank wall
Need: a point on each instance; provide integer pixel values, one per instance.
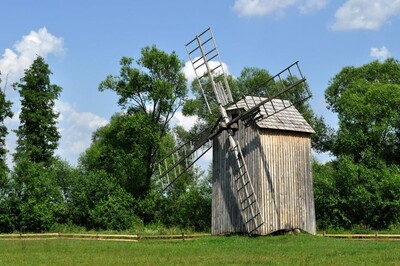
(279, 163)
(288, 194)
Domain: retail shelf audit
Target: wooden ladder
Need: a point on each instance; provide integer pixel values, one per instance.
(251, 212)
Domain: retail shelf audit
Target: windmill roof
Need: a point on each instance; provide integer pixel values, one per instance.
(276, 114)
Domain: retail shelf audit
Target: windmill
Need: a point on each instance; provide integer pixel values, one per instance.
(235, 118)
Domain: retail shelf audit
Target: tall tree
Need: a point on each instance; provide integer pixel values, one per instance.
(37, 134)
(5, 112)
(150, 94)
(367, 101)
(361, 187)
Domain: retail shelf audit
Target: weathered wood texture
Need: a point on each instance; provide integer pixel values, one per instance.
(279, 163)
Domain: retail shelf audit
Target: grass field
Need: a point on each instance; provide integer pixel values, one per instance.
(235, 250)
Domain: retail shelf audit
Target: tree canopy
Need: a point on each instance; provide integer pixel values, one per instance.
(361, 187)
(367, 101)
(150, 93)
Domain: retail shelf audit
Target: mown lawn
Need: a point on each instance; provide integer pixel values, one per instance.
(235, 250)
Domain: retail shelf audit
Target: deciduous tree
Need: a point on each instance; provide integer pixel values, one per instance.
(367, 101)
(150, 94)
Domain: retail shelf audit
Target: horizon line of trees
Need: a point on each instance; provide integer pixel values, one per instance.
(114, 187)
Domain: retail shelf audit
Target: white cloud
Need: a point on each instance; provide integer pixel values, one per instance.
(365, 14)
(75, 127)
(312, 5)
(36, 43)
(14, 61)
(248, 8)
(76, 130)
(191, 75)
(187, 122)
(380, 53)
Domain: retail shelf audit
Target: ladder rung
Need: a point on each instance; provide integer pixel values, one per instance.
(240, 176)
(209, 59)
(212, 70)
(253, 218)
(200, 65)
(251, 203)
(209, 52)
(206, 41)
(255, 229)
(197, 60)
(243, 201)
(194, 50)
(209, 29)
(245, 184)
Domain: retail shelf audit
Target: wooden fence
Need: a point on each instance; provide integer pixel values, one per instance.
(101, 237)
(375, 236)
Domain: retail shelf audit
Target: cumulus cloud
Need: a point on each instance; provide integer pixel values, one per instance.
(365, 14)
(191, 75)
(76, 129)
(380, 53)
(37, 43)
(187, 122)
(249, 8)
(15, 60)
(312, 5)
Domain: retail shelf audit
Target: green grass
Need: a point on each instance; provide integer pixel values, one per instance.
(240, 250)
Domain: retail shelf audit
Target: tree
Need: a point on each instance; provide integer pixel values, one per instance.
(361, 187)
(97, 201)
(37, 134)
(367, 101)
(150, 95)
(36, 200)
(120, 149)
(5, 112)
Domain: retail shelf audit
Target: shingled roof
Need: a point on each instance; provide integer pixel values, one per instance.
(282, 119)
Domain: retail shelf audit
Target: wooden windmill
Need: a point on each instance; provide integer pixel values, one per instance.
(251, 192)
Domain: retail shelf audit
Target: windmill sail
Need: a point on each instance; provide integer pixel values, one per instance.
(181, 159)
(290, 89)
(208, 67)
(203, 52)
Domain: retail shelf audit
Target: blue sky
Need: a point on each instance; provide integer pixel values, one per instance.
(83, 41)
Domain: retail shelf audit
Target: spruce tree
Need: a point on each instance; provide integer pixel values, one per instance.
(37, 134)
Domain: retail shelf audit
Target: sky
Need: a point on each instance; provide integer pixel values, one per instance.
(83, 42)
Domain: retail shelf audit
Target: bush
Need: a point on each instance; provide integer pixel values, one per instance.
(114, 212)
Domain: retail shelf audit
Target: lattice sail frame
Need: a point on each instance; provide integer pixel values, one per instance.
(207, 65)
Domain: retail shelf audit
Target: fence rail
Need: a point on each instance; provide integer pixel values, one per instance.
(375, 236)
(102, 237)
